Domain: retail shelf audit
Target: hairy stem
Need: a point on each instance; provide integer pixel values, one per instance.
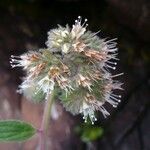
(45, 122)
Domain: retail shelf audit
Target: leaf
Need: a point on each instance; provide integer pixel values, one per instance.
(89, 132)
(13, 130)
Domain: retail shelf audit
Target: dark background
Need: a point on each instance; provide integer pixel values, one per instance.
(24, 25)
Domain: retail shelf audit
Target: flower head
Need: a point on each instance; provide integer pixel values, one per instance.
(76, 62)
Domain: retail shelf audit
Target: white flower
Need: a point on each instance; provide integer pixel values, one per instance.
(65, 48)
(64, 33)
(25, 85)
(24, 60)
(88, 111)
(111, 98)
(59, 39)
(20, 61)
(46, 84)
(78, 29)
(64, 84)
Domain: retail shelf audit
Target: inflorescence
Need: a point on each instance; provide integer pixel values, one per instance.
(76, 63)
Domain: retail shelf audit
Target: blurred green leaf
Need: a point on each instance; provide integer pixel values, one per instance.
(13, 130)
(89, 132)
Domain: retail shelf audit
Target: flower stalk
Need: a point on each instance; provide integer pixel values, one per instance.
(45, 121)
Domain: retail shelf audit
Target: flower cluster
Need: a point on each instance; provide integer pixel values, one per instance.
(76, 63)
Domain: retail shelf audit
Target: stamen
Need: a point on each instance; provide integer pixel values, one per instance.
(104, 111)
(84, 23)
(79, 17)
(111, 67)
(112, 49)
(114, 63)
(13, 56)
(116, 95)
(95, 33)
(112, 56)
(79, 21)
(118, 100)
(117, 75)
(111, 41)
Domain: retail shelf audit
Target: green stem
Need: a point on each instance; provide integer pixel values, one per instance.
(45, 121)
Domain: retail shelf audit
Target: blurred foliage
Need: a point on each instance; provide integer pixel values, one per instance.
(88, 132)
